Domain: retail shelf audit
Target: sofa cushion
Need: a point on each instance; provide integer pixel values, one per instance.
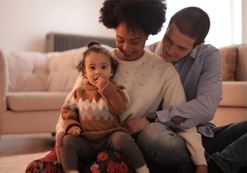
(229, 61)
(234, 94)
(242, 63)
(62, 69)
(27, 71)
(3, 81)
(35, 101)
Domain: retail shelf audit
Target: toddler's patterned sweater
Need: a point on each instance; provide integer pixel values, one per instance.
(96, 111)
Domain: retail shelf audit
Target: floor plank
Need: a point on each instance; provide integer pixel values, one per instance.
(25, 144)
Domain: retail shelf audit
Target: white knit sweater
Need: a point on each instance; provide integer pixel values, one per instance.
(148, 81)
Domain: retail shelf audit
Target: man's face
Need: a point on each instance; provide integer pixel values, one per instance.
(176, 45)
(130, 44)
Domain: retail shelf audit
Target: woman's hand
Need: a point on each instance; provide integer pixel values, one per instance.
(136, 125)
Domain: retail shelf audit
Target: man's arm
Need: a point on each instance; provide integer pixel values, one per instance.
(201, 109)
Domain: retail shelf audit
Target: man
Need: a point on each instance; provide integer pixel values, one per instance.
(199, 67)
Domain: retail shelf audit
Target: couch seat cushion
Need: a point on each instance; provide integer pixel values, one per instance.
(234, 94)
(35, 101)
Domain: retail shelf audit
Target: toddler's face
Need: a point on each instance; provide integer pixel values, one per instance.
(97, 65)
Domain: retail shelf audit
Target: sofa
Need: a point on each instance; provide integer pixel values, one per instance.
(233, 106)
(33, 85)
(33, 88)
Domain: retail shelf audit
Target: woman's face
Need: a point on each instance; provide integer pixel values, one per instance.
(130, 43)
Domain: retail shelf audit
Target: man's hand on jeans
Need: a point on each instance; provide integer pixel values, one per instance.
(178, 119)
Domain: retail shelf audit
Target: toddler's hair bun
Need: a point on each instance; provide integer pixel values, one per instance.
(93, 44)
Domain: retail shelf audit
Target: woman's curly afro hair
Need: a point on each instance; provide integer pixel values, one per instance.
(148, 15)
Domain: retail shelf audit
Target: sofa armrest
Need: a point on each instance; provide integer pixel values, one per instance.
(229, 62)
(241, 71)
(3, 82)
(234, 94)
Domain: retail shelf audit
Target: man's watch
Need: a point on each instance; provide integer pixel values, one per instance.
(151, 117)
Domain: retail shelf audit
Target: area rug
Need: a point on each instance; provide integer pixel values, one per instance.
(18, 163)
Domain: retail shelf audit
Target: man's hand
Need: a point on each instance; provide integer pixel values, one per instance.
(178, 119)
(136, 125)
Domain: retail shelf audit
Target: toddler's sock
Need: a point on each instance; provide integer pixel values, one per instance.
(143, 169)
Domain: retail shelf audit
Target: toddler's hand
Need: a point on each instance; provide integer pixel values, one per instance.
(74, 131)
(100, 82)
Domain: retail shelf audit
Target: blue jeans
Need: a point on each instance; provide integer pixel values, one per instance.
(228, 148)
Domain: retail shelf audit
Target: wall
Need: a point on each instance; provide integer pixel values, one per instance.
(225, 16)
(244, 20)
(25, 23)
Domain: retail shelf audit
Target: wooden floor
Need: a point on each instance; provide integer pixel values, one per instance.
(25, 144)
